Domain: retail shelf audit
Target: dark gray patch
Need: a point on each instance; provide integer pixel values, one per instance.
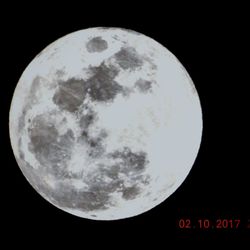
(103, 134)
(97, 183)
(60, 72)
(67, 138)
(112, 172)
(94, 145)
(68, 196)
(21, 121)
(126, 92)
(90, 200)
(130, 193)
(70, 94)
(83, 138)
(132, 164)
(128, 58)
(131, 161)
(142, 178)
(95, 148)
(107, 187)
(143, 85)
(96, 44)
(87, 119)
(50, 149)
(101, 86)
(42, 133)
(21, 154)
(36, 84)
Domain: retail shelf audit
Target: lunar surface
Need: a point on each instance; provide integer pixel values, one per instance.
(105, 123)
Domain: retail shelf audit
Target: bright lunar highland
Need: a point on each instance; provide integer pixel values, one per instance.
(105, 123)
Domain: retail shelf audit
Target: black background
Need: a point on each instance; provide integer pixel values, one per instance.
(208, 40)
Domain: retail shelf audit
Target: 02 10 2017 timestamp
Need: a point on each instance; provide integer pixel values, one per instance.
(209, 224)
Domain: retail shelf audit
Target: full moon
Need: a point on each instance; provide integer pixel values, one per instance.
(105, 123)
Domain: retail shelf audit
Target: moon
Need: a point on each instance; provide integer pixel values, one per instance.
(105, 123)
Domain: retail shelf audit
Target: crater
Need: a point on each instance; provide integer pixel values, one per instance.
(96, 44)
(128, 58)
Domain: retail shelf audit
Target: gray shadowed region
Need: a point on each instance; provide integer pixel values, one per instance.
(128, 58)
(70, 94)
(101, 86)
(130, 193)
(131, 161)
(143, 85)
(94, 145)
(52, 150)
(96, 44)
(131, 165)
(21, 120)
(87, 119)
(84, 200)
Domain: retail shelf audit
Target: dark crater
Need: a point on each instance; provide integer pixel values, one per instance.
(96, 44)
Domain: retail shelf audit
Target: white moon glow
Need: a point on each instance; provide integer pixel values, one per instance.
(105, 123)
